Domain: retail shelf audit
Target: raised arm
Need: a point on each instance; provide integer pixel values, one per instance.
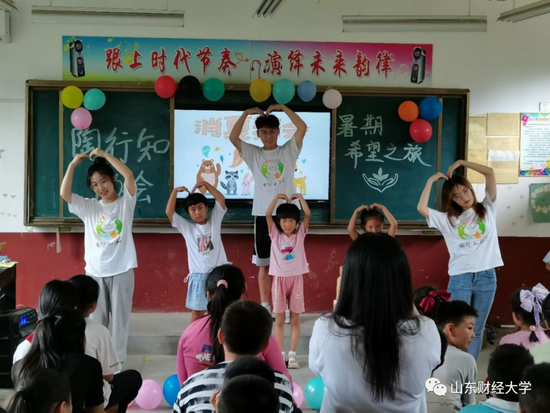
(392, 230)
(121, 168)
(271, 207)
(490, 178)
(171, 205)
(235, 135)
(422, 206)
(353, 222)
(218, 196)
(67, 183)
(305, 208)
(301, 127)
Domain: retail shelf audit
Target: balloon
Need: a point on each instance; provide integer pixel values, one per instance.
(283, 91)
(72, 97)
(206, 151)
(213, 89)
(150, 395)
(408, 111)
(190, 87)
(421, 130)
(307, 90)
(260, 90)
(314, 392)
(94, 99)
(430, 108)
(298, 394)
(332, 99)
(171, 389)
(165, 86)
(81, 118)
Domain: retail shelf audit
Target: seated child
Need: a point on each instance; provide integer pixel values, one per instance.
(527, 317)
(537, 398)
(436, 403)
(427, 300)
(541, 353)
(372, 220)
(203, 240)
(506, 367)
(247, 394)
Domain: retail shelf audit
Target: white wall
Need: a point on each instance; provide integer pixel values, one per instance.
(506, 69)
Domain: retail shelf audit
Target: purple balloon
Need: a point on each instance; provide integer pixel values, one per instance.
(81, 118)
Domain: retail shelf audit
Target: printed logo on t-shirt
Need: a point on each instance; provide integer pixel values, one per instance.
(471, 229)
(205, 244)
(273, 170)
(108, 227)
(286, 249)
(205, 354)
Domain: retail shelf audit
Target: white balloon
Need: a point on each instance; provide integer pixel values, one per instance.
(332, 98)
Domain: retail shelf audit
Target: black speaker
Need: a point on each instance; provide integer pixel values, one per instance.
(15, 326)
(418, 69)
(77, 58)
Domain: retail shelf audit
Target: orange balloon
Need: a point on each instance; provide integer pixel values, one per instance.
(408, 111)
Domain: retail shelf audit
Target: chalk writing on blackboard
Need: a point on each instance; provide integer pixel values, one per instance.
(372, 125)
(347, 126)
(354, 152)
(380, 181)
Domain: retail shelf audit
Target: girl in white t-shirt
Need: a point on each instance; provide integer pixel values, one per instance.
(470, 233)
(109, 250)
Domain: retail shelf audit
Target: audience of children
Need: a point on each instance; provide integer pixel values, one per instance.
(537, 398)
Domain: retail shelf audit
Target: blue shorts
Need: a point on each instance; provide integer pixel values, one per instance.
(196, 292)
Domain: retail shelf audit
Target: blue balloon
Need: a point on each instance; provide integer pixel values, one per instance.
(283, 91)
(430, 108)
(314, 392)
(307, 90)
(171, 389)
(94, 99)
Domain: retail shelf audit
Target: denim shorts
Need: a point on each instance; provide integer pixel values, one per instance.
(196, 292)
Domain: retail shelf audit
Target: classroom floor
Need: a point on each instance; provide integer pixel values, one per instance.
(153, 342)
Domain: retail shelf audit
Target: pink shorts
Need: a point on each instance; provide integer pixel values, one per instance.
(288, 289)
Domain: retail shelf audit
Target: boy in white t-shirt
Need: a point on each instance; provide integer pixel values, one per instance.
(203, 240)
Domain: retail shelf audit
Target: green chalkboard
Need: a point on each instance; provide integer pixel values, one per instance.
(376, 161)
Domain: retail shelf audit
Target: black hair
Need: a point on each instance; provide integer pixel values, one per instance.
(454, 312)
(506, 365)
(420, 293)
(194, 199)
(237, 331)
(444, 345)
(371, 213)
(527, 317)
(286, 211)
(57, 294)
(269, 121)
(537, 398)
(44, 389)
(61, 332)
(545, 307)
(249, 365)
(100, 166)
(375, 303)
(248, 394)
(87, 289)
(221, 298)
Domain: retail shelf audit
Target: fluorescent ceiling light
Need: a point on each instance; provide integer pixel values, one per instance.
(268, 8)
(526, 12)
(126, 17)
(414, 24)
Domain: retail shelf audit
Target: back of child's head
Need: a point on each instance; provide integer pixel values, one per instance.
(249, 365)
(546, 308)
(42, 392)
(454, 312)
(371, 213)
(225, 284)
(246, 328)
(248, 394)
(194, 199)
(100, 166)
(537, 398)
(286, 211)
(57, 294)
(506, 365)
(427, 300)
(87, 290)
(526, 305)
(269, 121)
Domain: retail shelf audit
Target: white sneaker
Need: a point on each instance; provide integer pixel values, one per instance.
(287, 316)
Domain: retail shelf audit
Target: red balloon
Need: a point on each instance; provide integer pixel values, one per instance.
(166, 86)
(421, 130)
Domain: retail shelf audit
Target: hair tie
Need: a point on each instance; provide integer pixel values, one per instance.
(533, 328)
(428, 303)
(222, 282)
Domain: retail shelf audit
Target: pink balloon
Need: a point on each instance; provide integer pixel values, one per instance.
(298, 394)
(421, 130)
(81, 118)
(332, 99)
(150, 395)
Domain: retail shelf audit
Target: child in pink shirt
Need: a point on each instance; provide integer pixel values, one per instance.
(527, 315)
(287, 266)
(199, 347)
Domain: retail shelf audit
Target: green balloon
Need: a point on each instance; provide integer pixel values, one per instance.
(283, 91)
(213, 89)
(94, 99)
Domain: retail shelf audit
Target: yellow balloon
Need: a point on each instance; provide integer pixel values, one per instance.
(72, 97)
(260, 90)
